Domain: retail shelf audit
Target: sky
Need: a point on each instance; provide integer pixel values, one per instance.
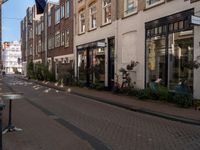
(12, 13)
(16, 11)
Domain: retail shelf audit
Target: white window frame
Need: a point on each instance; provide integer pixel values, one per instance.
(91, 14)
(67, 9)
(80, 22)
(154, 3)
(62, 38)
(57, 16)
(57, 39)
(49, 20)
(62, 11)
(133, 10)
(67, 36)
(103, 12)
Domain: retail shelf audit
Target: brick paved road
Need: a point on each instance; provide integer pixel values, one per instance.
(94, 125)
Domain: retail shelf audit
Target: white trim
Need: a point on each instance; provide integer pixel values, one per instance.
(135, 9)
(154, 4)
(37, 60)
(59, 58)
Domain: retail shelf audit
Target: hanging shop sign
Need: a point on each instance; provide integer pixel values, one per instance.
(195, 20)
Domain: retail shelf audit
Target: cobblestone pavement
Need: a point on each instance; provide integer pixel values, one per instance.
(93, 124)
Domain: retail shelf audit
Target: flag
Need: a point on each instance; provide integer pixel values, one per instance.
(40, 4)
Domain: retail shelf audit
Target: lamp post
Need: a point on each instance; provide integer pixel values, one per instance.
(1, 2)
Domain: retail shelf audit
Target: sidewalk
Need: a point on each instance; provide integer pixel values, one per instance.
(155, 108)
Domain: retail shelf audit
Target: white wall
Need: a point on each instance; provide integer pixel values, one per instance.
(136, 23)
(197, 53)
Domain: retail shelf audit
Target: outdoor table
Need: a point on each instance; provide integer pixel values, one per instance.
(11, 96)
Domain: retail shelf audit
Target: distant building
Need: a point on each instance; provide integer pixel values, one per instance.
(11, 57)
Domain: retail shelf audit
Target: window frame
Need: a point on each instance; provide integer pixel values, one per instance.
(67, 37)
(126, 10)
(91, 14)
(103, 12)
(62, 11)
(57, 16)
(67, 9)
(80, 21)
(57, 39)
(153, 4)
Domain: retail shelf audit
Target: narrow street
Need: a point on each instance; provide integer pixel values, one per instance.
(55, 120)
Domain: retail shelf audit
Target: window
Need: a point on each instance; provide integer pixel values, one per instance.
(57, 17)
(57, 39)
(62, 38)
(93, 19)
(106, 11)
(62, 11)
(49, 20)
(150, 3)
(49, 42)
(82, 22)
(39, 46)
(67, 9)
(66, 38)
(130, 6)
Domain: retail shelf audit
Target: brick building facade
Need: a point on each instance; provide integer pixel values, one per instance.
(103, 36)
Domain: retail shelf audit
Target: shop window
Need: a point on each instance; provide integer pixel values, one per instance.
(82, 63)
(106, 11)
(93, 18)
(130, 7)
(179, 55)
(156, 58)
(181, 25)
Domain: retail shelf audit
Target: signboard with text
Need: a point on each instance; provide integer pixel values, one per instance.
(195, 20)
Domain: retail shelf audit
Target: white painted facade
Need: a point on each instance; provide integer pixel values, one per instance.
(131, 38)
(11, 57)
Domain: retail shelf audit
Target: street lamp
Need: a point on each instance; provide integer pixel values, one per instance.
(1, 2)
(1, 105)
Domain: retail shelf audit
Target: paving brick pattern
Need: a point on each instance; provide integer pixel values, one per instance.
(117, 128)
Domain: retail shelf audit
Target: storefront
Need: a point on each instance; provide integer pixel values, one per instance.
(169, 48)
(91, 63)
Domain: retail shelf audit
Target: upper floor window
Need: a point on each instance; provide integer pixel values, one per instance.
(93, 18)
(106, 12)
(57, 16)
(82, 21)
(62, 38)
(130, 7)
(67, 9)
(150, 3)
(62, 11)
(57, 39)
(66, 38)
(49, 20)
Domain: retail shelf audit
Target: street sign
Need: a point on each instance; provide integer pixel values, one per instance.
(195, 20)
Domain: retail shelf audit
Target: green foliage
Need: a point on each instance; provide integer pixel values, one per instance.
(39, 72)
(162, 94)
(30, 70)
(97, 86)
(183, 100)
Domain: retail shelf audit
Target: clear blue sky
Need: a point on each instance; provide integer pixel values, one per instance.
(15, 9)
